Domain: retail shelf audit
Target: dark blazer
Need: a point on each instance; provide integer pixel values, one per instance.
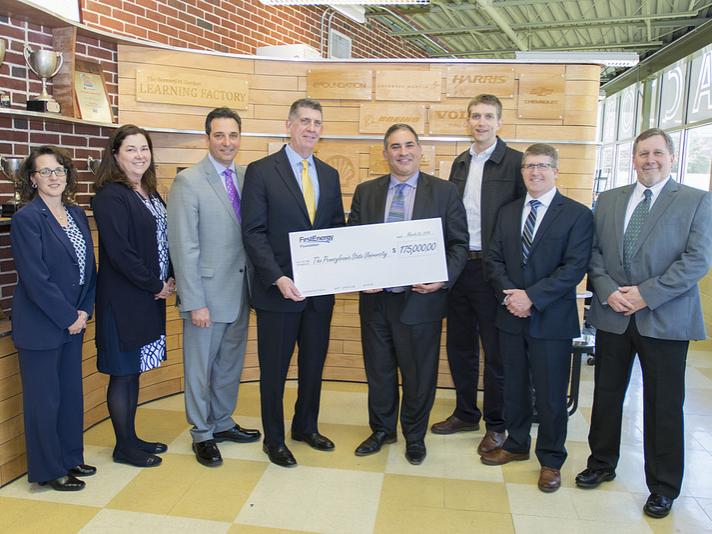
(129, 274)
(48, 293)
(273, 206)
(501, 183)
(433, 198)
(557, 262)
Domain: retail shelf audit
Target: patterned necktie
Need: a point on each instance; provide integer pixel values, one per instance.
(396, 212)
(308, 191)
(528, 233)
(635, 225)
(232, 193)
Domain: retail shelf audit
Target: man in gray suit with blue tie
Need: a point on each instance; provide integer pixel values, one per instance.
(209, 261)
(652, 245)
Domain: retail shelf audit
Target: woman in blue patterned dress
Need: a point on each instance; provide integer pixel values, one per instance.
(54, 297)
(134, 281)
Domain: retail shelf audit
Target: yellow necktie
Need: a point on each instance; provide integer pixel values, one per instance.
(308, 191)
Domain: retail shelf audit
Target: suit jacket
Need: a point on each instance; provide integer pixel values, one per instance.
(272, 206)
(206, 247)
(673, 253)
(48, 293)
(501, 183)
(129, 274)
(557, 261)
(434, 198)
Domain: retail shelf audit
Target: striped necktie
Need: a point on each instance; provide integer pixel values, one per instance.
(635, 225)
(528, 233)
(396, 213)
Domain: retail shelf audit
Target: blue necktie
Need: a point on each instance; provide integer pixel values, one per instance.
(528, 233)
(396, 212)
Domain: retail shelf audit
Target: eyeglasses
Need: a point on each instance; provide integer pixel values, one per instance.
(538, 166)
(46, 172)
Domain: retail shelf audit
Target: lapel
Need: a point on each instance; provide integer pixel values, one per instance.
(619, 209)
(667, 195)
(377, 204)
(216, 182)
(286, 174)
(77, 213)
(552, 212)
(423, 204)
(56, 229)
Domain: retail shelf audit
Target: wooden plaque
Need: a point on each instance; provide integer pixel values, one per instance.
(448, 119)
(541, 96)
(409, 85)
(340, 84)
(345, 160)
(376, 118)
(190, 87)
(90, 92)
(469, 82)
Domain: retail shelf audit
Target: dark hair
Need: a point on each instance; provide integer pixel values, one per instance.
(542, 149)
(222, 113)
(109, 171)
(394, 128)
(486, 99)
(652, 132)
(304, 103)
(27, 169)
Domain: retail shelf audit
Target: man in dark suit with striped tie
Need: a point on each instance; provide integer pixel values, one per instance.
(539, 253)
(400, 326)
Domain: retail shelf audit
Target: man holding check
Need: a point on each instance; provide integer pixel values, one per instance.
(401, 326)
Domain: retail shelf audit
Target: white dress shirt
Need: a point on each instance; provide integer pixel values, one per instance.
(637, 196)
(472, 197)
(545, 201)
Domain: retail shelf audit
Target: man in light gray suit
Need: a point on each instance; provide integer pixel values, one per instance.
(652, 244)
(209, 261)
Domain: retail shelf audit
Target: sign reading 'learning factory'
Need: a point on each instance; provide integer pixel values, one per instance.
(190, 88)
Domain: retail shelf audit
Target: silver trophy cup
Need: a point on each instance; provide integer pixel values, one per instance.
(10, 168)
(93, 165)
(45, 64)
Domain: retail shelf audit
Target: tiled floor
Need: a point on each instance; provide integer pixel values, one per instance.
(451, 492)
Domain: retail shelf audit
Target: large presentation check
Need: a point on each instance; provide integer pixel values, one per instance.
(339, 260)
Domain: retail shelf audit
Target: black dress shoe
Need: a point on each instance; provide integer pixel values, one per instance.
(65, 483)
(415, 452)
(315, 441)
(592, 478)
(373, 443)
(280, 455)
(136, 458)
(657, 506)
(207, 453)
(238, 435)
(82, 470)
(152, 447)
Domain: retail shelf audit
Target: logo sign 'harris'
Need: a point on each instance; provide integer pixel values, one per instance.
(191, 87)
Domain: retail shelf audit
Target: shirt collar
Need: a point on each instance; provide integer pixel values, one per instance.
(545, 199)
(639, 188)
(295, 159)
(485, 154)
(412, 181)
(220, 168)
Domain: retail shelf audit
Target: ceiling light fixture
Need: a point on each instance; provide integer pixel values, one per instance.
(609, 59)
(342, 2)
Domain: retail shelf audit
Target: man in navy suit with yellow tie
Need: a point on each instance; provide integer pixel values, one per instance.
(290, 191)
(539, 253)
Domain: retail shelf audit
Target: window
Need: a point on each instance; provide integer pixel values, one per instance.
(698, 167)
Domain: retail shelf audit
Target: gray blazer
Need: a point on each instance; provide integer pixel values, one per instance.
(205, 240)
(674, 252)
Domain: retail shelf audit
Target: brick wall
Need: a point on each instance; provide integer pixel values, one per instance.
(236, 26)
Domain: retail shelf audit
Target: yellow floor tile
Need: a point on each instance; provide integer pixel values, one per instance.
(251, 529)
(404, 519)
(151, 425)
(122, 522)
(30, 516)
(526, 524)
(182, 487)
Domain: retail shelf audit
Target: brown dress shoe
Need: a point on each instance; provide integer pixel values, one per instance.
(549, 479)
(491, 441)
(502, 456)
(453, 424)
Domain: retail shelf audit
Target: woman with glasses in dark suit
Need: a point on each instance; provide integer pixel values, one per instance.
(134, 281)
(54, 297)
